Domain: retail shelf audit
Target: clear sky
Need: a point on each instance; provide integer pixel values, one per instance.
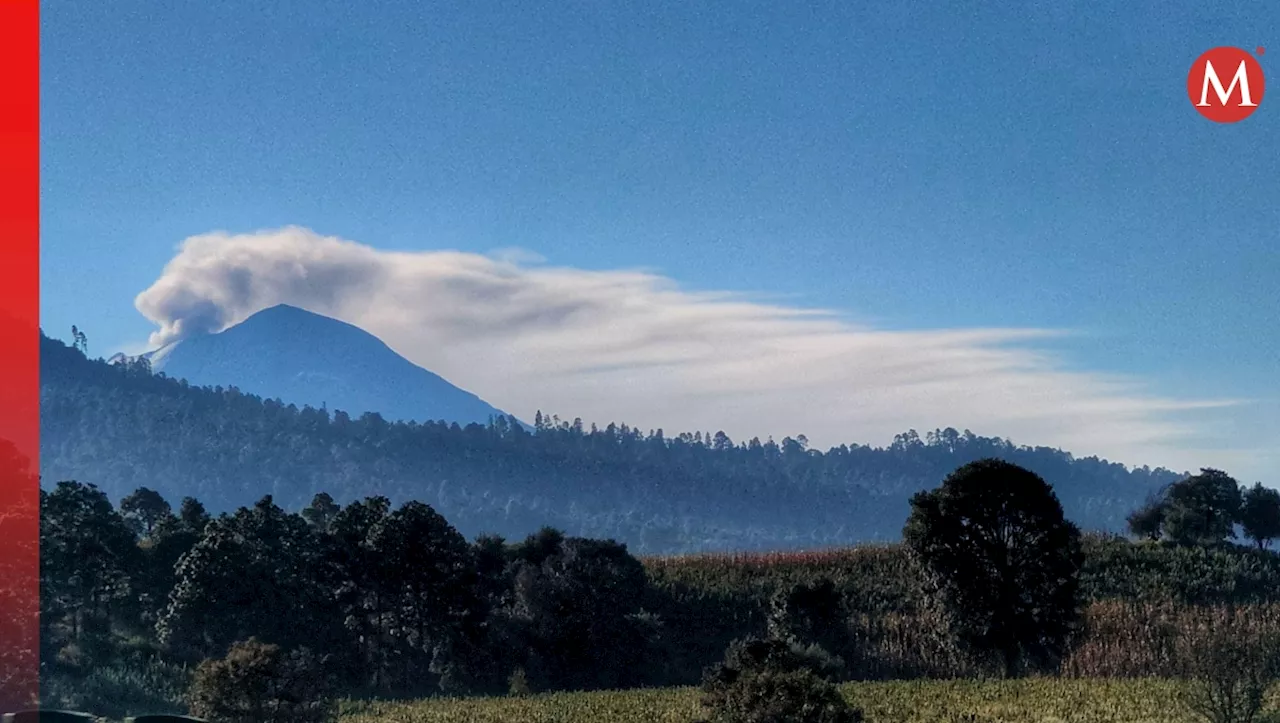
(908, 166)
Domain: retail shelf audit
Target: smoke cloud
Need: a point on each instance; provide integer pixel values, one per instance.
(631, 346)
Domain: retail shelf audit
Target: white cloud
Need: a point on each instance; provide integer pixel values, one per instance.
(633, 347)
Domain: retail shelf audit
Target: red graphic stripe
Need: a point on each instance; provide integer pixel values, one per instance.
(19, 352)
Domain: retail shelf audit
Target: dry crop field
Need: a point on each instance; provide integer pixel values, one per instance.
(1041, 700)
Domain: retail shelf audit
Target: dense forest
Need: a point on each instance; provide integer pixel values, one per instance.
(394, 601)
(123, 427)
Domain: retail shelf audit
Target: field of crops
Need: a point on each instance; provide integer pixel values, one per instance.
(1022, 701)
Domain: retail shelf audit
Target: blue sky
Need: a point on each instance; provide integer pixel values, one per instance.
(911, 168)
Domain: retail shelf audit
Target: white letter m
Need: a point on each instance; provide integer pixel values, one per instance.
(1241, 77)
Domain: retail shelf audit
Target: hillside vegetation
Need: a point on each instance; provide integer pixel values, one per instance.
(122, 427)
(402, 605)
(158, 600)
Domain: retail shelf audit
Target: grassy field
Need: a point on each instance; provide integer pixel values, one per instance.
(1023, 701)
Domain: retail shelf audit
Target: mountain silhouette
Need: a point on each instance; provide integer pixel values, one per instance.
(305, 358)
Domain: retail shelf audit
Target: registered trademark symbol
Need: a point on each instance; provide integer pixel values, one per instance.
(1262, 50)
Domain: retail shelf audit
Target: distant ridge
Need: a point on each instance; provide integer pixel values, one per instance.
(121, 428)
(305, 358)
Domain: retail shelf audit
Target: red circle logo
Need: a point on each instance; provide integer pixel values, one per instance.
(1226, 84)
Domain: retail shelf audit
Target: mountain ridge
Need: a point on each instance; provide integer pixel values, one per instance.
(306, 358)
(121, 427)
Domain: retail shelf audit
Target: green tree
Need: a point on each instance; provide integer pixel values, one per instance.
(364, 597)
(79, 341)
(668, 493)
(1260, 514)
(429, 575)
(258, 572)
(576, 606)
(171, 539)
(193, 514)
(811, 613)
(1002, 559)
(321, 512)
(1203, 509)
(144, 509)
(261, 683)
(1147, 522)
(88, 556)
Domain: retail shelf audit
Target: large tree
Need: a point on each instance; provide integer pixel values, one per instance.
(1203, 509)
(428, 576)
(144, 509)
(260, 683)
(88, 557)
(577, 606)
(1002, 558)
(321, 512)
(193, 514)
(258, 572)
(1148, 520)
(1260, 514)
(364, 598)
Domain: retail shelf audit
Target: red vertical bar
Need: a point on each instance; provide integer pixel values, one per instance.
(19, 352)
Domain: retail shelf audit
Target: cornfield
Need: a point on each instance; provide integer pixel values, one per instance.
(1040, 700)
(1139, 599)
(1128, 640)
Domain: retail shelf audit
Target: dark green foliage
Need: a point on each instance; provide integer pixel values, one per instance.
(121, 427)
(707, 601)
(575, 607)
(172, 538)
(89, 564)
(260, 683)
(1147, 522)
(772, 696)
(362, 595)
(1002, 559)
(400, 603)
(257, 572)
(811, 614)
(776, 654)
(144, 509)
(129, 684)
(1202, 509)
(427, 581)
(1260, 514)
(656, 628)
(321, 512)
(769, 681)
(193, 514)
(1116, 569)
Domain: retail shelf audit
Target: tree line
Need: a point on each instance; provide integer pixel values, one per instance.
(379, 599)
(1208, 509)
(122, 426)
(394, 598)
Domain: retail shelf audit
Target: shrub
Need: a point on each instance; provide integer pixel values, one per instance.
(777, 696)
(1229, 669)
(260, 683)
(519, 683)
(771, 681)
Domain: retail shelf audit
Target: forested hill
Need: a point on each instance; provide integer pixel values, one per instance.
(120, 427)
